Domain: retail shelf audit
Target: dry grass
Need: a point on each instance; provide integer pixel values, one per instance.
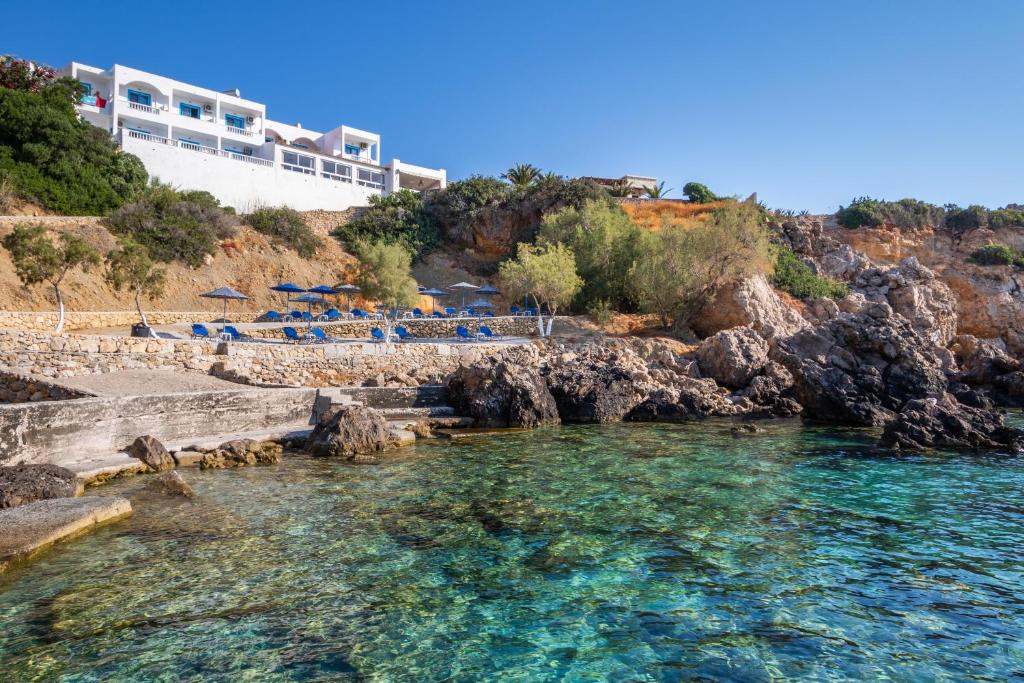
(653, 214)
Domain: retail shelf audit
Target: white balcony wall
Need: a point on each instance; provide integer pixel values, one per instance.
(244, 184)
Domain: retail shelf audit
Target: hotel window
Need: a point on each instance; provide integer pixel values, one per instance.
(189, 110)
(86, 89)
(352, 149)
(300, 145)
(234, 121)
(139, 97)
(299, 163)
(369, 178)
(336, 171)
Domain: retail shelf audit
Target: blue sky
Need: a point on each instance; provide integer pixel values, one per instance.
(806, 103)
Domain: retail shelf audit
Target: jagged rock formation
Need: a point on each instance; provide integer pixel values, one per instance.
(944, 422)
(860, 368)
(22, 484)
(504, 391)
(597, 384)
(914, 292)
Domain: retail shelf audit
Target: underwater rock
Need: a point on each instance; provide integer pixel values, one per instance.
(172, 484)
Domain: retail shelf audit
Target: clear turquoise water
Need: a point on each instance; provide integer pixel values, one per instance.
(620, 553)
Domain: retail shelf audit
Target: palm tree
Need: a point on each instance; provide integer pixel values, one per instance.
(522, 175)
(620, 189)
(658, 191)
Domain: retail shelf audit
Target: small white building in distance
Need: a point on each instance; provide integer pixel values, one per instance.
(199, 139)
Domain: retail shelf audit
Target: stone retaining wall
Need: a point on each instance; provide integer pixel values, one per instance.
(45, 321)
(352, 363)
(423, 328)
(17, 387)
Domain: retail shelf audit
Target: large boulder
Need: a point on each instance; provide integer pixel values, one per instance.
(504, 390)
(861, 368)
(943, 422)
(733, 357)
(152, 453)
(917, 294)
(21, 484)
(349, 432)
(596, 384)
(750, 302)
(985, 365)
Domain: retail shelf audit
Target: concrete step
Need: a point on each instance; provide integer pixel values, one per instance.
(417, 413)
(423, 396)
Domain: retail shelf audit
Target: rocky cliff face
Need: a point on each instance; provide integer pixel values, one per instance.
(924, 274)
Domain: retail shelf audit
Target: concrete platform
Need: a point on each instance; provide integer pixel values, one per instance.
(30, 529)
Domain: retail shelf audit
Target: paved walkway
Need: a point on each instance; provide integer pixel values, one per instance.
(143, 382)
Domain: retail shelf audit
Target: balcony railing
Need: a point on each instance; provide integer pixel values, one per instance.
(138, 106)
(194, 147)
(239, 131)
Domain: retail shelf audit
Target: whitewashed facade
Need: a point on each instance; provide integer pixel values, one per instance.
(195, 138)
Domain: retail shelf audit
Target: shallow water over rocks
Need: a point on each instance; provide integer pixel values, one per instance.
(615, 552)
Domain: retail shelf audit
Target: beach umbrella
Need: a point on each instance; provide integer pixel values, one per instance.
(488, 290)
(225, 294)
(463, 286)
(309, 300)
(433, 293)
(481, 303)
(322, 289)
(287, 288)
(348, 290)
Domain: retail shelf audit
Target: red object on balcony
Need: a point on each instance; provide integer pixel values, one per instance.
(100, 102)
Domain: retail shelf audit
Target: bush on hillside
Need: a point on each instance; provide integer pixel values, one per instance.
(1010, 216)
(285, 226)
(604, 241)
(997, 255)
(678, 271)
(798, 279)
(960, 219)
(904, 214)
(175, 226)
(58, 161)
(399, 218)
(698, 193)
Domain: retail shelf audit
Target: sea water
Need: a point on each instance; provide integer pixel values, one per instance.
(590, 553)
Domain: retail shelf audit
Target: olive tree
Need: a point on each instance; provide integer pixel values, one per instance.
(384, 274)
(679, 270)
(37, 259)
(131, 266)
(547, 273)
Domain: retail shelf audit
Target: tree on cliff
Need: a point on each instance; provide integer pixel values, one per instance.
(37, 259)
(547, 273)
(522, 175)
(130, 265)
(384, 274)
(679, 270)
(698, 193)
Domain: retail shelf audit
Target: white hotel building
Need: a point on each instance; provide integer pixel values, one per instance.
(194, 138)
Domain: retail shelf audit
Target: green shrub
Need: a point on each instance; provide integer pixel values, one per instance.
(1010, 216)
(600, 311)
(698, 193)
(797, 278)
(963, 219)
(174, 225)
(997, 255)
(904, 214)
(54, 159)
(399, 218)
(285, 226)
